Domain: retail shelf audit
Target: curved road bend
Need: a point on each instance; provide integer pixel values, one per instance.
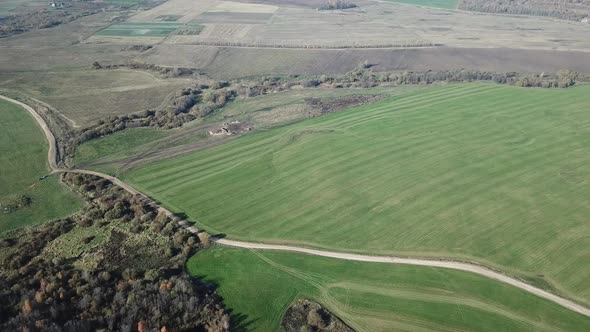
(473, 268)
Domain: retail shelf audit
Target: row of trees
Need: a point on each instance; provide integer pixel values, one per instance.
(564, 9)
(207, 96)
(363, 77)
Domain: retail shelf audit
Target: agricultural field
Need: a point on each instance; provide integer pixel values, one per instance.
(259, 286)
(475, 171)
(23, 199)
(85, 96)
(448, 4)
(140, 29)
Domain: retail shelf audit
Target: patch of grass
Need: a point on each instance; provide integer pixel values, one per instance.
(189, 30)
(139, 29)
(169, 18)
(161, 29)
(84, 96)
(260, 285)
(473, 171)
(22, 162)
(116, 142)
(448, 4)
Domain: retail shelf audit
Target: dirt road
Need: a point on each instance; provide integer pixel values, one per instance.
(448, 264)
(477, 269)
(51, 154)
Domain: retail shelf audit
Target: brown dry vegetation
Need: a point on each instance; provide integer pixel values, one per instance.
(85, 96)
(116, 265)
(226, 62)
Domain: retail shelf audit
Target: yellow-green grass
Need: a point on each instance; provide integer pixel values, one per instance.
(109, 153)
(260, 285)
(117, 142)
(22, 162)
(493, 173)
(448, 4)
(85, 96)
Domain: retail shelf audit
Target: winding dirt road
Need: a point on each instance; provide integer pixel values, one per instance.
(447, 264)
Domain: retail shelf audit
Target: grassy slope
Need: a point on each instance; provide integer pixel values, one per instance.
(374, 297)
(262, 112)
(116, 142)
(480, 171)
(22, 161)
(448, 4)
(86, 96)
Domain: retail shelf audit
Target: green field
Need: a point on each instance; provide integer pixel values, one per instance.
(23, 161)
(475, 171)
(140, 29)
(448, 4)
(117, 142)
(259, 286)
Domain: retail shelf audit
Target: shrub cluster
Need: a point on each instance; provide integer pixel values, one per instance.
(12, 204)
(565, 9)
(363, 77)
(337, 4)
(45, 291)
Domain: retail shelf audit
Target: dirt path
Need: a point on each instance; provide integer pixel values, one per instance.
(477, 269)
(448, 264)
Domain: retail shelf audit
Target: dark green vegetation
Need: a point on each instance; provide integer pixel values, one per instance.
(148, 29)
(116, 142)
(448, 4)
(374, 297)
(476, 171)
(116, 266)
(24, 199)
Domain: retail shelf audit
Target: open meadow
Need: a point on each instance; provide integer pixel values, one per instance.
(448, 4)
(472, 171)
(138, 146)
(259, 286)
(23, 199)
(85, 96)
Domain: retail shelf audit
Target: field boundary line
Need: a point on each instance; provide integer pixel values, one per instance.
(441, 263)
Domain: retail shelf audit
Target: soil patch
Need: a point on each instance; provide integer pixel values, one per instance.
(320, 106)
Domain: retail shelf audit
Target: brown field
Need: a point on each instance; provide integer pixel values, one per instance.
(186, 10)
(372, 24)
(238, 7)
(226, 62)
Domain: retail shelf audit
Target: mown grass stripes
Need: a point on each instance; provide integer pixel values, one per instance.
(475, 171)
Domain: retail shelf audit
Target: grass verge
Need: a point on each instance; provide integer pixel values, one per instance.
(23, 162)
(260, 285)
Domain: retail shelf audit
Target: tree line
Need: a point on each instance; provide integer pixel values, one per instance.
(564, 9)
